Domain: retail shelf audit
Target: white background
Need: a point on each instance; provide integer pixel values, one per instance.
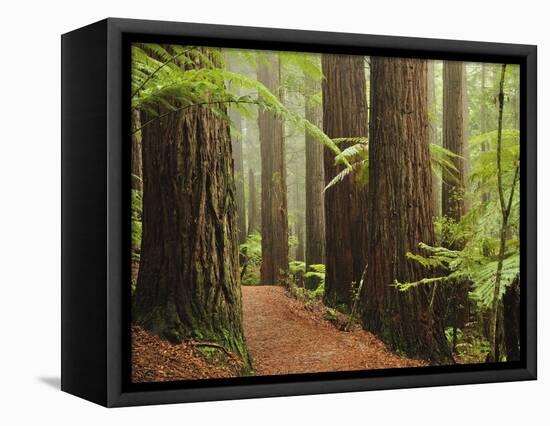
(30, 212)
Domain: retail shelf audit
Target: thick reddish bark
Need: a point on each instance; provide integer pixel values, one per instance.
(345, 114)
(401, 183)
(237, 147)
(453, 189)
(188, 285)
(315, 183)
(274, 268)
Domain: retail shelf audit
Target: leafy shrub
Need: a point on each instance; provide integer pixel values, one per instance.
(251, 259)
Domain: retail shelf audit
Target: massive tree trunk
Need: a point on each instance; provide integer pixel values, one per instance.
(453, 189)
(136, 161)
(237, 147)
(400, 181)
(252, 206)
(315, 182)
(188, 284)
(345, 114)
(274, 269)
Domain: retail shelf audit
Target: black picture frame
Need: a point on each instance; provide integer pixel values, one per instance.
(95, 211)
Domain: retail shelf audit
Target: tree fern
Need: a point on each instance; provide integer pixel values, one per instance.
(162, 83)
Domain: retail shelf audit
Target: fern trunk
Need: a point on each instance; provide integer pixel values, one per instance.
(401, 183)
(345, 114)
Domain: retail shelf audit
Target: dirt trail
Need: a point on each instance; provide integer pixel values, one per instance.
(284, 337)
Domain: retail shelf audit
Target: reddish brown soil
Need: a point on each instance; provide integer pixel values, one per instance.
(157, 360)
(284, 337)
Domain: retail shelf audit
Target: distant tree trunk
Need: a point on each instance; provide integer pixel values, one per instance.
(345, 114)
(483, 128)
(136, 161)
(188, 284)
(274, 269)
(400, 181)
(453, 137)
(237, 146)
(252, 207)
(315, 183)
(300, 247)
(432, 132)
(483, 103)
(453, 190)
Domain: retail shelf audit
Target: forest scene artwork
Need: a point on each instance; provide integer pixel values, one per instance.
(301, 213)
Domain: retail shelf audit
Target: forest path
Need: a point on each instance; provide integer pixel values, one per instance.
(284, 337)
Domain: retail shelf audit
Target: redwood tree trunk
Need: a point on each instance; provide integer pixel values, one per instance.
(188, 284)
(454, 137)
(252, 207)
(345, 114)
(315, 183)
(432, 134)
(136, 161)
(274, 268)
(299, 228)
(453, 190)
(400, 181)
(237, 147)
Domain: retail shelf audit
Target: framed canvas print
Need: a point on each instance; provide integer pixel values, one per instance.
(252, 212)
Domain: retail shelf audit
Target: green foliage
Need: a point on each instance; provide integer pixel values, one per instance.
(162, 83)
(442, 162)
(251, 258)
(136, 211)
(357, 156)
(449, 334)
(298, 273)
(470, 265)
(318, 271)
(296, 266)
(297, 270)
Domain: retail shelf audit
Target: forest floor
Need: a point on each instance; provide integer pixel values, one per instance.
(286, 335)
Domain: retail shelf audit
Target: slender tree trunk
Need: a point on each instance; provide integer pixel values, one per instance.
(432, 134)
(505, 206)
(345, 114)
(315, 182)
(400, 181)
(453, 138)
(300, 247)
(483, 103)
(274, 269)
(453, 189)
(188, 284)
(237, 146)
(136, 161)
(252, 206)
